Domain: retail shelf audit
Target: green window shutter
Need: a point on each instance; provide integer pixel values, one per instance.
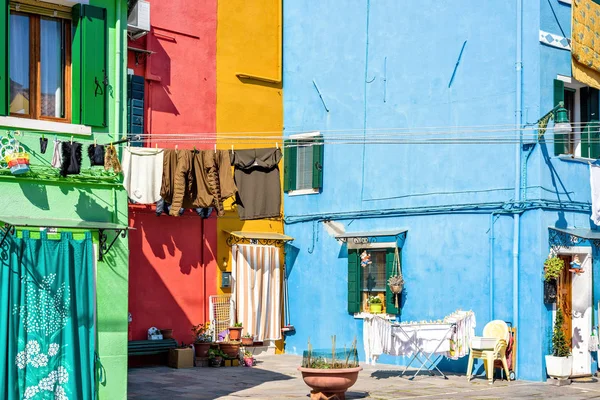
(353, 281)
(4, 77)
(90, 70)
(589, 107)
(390, 307)
(559, 95)
(290, 161)
(317, 171)
(559, 92)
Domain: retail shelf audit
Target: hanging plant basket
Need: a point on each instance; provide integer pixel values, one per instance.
(550, 291)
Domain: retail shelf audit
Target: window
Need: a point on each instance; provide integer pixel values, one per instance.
(303, 164)
(40, 77)
(53, 62)
(370, 279)
(582, 104)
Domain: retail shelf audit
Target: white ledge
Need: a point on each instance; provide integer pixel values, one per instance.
(47, 126)
(363, 315)
(583, 160)
(301, 192)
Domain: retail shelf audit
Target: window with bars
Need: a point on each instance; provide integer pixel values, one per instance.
(303, 164)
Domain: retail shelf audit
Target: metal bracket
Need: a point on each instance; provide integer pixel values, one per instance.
(104, 248)
(558, 239)
(8, 229)
(233, 240)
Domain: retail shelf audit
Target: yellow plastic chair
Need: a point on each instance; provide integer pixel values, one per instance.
(499, 331)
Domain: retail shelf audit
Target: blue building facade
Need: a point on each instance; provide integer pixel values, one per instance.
(427, 111)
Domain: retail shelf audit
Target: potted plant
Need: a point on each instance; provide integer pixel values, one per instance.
(202, 334)
(215, 357)
(560, 362)
(553, 267)
(167, 333)
(330, 373)
(248, 359)
(247, 340)
(231, 349)
(375, 304)
(235, 331)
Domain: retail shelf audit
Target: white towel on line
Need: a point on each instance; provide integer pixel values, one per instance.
(595, 189)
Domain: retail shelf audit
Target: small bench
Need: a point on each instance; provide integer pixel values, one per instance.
(145, 347)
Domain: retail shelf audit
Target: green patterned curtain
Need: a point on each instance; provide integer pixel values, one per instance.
(47, 318)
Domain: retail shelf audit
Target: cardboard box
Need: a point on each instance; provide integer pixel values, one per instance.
(181, 358)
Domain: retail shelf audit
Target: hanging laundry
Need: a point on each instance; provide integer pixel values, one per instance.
(258, 183)
(43, 145)
(595, 186)
(111, 159)
(71, 158)
(96, 154)
(163, 207)
(142, 173)
(192, 179)
(57, 154)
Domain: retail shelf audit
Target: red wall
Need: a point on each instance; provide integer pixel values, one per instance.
(172, 268)
(172, 271)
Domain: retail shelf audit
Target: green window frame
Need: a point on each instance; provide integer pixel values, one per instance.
(303, 163)
(355, 272)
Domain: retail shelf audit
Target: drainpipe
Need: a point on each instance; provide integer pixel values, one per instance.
(518, 121)
(118, 61)
(491, 255)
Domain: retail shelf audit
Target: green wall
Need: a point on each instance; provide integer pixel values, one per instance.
(93, 196)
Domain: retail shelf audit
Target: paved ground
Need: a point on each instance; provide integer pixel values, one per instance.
(276, 377)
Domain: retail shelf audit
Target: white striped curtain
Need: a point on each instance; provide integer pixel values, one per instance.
(256, 292)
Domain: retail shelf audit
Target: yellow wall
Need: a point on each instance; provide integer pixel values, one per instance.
(248, 43)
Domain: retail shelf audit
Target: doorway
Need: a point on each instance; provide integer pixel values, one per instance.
(575, 300)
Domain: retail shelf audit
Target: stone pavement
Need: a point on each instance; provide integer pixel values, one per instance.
(276, 377)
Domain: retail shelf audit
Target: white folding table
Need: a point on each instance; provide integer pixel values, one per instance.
(426, 341)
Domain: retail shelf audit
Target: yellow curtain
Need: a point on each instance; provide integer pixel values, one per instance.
(585, 42)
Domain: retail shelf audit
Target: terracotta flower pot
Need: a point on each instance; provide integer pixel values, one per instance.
(235, 333)
(232, 350)
(247, 341)
(167, 333)
(201, 349)
(330, 382)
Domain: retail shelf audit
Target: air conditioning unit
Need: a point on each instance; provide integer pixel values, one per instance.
(138, 21)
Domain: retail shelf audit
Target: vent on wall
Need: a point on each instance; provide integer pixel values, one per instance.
(138, 21)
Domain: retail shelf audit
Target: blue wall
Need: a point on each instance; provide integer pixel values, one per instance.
(385, 65)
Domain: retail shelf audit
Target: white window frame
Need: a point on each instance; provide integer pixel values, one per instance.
(300, 136)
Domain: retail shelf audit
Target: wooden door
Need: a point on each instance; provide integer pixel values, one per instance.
(565, 298)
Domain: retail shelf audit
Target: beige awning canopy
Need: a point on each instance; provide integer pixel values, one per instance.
(263, 238)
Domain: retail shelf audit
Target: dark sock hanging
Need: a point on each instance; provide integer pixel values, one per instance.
(43, 145)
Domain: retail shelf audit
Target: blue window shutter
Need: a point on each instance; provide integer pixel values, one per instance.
(135, 106)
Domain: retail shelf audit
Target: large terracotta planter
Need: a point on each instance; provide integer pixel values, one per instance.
(232, 350)
(330, 381)
(235, 333)
(201, 349)
(247, 341)
(167, 333)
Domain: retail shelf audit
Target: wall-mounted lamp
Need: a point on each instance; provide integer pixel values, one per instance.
(561, 120)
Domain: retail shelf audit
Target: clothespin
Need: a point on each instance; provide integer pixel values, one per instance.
(71, 139)
(43, 136)
(156, 146)
(176, 147)
(55, 138)
(215, 149)
(95, 142)
(195, 149)
(277, 145)
(111, 144)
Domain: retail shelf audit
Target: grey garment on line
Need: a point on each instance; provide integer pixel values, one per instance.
(258, 183)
